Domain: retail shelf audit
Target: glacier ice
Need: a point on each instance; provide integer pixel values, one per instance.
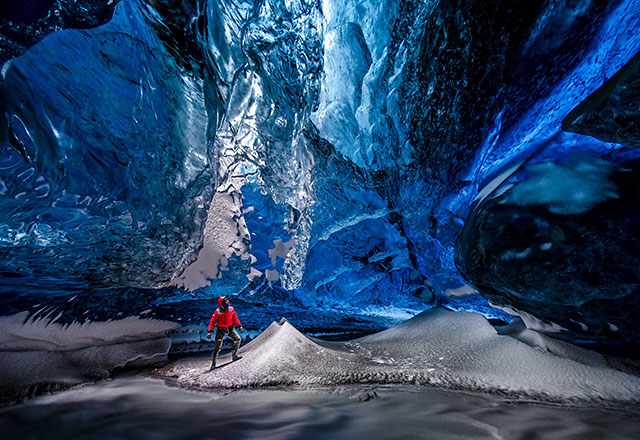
(562, 237)
(105, 164)
(325, 157)
(21, 26)
(37, 356)
(608, 113)
(572, 186)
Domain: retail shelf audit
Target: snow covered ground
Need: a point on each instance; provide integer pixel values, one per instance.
(370, 387)
(453, 350)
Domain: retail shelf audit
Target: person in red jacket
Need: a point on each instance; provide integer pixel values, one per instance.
(224, 317)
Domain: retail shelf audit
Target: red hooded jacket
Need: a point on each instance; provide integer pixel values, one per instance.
(223, 318)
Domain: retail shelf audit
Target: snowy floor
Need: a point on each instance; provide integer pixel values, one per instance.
(388, 385)
(137, 406)
(452, 350)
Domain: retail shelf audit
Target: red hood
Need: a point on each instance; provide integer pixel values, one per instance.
(220, 302)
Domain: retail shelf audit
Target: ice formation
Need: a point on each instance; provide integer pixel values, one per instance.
(347, 163)
(36, 355)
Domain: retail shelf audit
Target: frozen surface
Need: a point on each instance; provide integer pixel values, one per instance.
(567, 189)
(104, 166)
(38, 355)
(438, 348)
(139, 407)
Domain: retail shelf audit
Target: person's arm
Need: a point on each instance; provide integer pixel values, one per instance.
(212, 323)
(236, 321)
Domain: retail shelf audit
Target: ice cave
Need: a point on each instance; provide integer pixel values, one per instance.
(425, 215)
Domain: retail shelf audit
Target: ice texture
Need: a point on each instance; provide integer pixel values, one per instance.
(608, 113)
(137, 406)
(21, 27)
(559, 241)
(36, 355)
(322, 156)
(105, 169)
(455, 350)
(568, 189)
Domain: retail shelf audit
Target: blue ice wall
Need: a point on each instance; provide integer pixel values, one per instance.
(553, 232)
(353, 142)
(105, 166)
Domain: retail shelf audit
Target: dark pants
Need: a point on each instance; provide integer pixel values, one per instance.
(235, 337)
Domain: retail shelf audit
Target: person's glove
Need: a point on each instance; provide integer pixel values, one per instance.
(208, 335)
(241, 329)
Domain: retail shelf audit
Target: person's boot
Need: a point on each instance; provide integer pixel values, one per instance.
(234, 351)
(213, 362)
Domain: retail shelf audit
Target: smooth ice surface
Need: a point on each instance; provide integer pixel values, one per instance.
(568, 189)
(558, 243)
(454, 350)
(140, 407)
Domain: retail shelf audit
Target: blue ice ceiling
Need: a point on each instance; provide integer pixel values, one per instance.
(347, 163)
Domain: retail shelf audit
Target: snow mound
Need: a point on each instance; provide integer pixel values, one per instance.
(280, 355)
(454, 350)
(37, 356)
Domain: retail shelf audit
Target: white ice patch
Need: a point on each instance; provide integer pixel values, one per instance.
(5, 68)
(531, 321)
(568, 189)
(271, 275)
(225, 234)
(440, 348)
(489, 188)
(37, 352)
(40, 334)
(280, 249)
(513, 255)
(391, 313)
(582, 325)
(462, 291)
(349, 222)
